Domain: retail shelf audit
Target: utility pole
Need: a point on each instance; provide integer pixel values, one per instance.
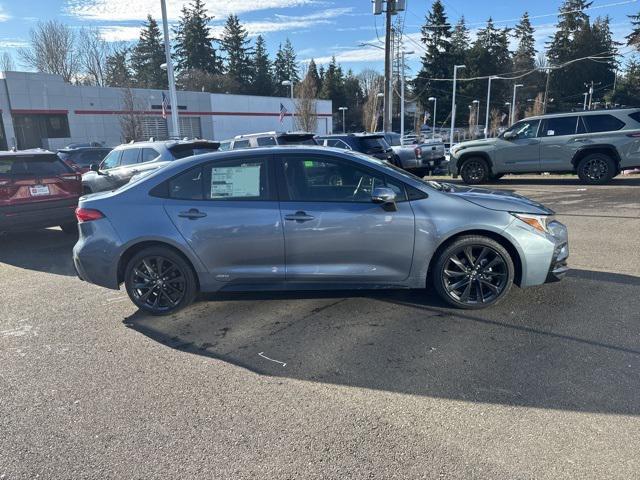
(546, 92)
(173, 97)
(393, 7)
(486, 121)
(343, 110)
(402, 54)
(435, 111)
(590, 94)
(453, 102)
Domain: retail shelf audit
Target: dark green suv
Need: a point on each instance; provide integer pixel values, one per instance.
(595, 145)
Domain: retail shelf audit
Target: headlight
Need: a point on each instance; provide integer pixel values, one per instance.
(539, 222)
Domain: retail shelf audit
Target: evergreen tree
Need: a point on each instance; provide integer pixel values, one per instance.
(285, 67)
(354, 100)
(194, 45)
(117, 72)
(524, 57)
(436, 62)
(147, 56)
(460, 42)
(262, 77)
(313, 76)
(628, 90)
(333, 89)
(634, 37)
(235, 44)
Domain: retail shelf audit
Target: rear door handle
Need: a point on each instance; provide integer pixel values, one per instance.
(299, 217)
(192, 214)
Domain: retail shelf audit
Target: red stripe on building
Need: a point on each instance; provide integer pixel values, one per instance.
(38, 112)
(159, 112)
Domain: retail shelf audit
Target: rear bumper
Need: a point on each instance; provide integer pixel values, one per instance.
(34, 215)
(96, 254)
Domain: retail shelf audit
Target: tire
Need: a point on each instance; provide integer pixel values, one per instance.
(496, 176)
(160, 281)
(70, 228)
(488, 279)
(596, 169)
(474, 171)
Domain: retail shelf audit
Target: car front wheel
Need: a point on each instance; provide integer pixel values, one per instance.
(474, 171)
(596, 169)
(473, 272)
(160, 281)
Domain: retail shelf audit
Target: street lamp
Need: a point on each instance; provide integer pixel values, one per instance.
(407, 52)
(486, 122)
(343, 110)
(586, 95)
(288, 83)
(476, 104)
(513, 104)
(435, 110)
(508, 105)
(375, 127)
(453, 102)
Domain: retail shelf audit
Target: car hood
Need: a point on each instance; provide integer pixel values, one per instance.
(498, 200)
(481, 143)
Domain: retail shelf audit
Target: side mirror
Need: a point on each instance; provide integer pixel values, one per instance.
(94, 167)
(510, 135)
(384, 196)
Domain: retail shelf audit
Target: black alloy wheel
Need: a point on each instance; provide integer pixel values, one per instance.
(474, 171)
(596, 169)
(474, 272)
(159, 281)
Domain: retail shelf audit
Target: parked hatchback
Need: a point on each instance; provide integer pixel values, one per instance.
(595, 145)
(311, 218)
(37, 190)
(134, 159)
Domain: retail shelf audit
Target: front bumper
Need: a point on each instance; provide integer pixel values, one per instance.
(559, 267)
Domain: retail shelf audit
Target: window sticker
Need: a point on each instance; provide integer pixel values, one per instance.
(233, 182)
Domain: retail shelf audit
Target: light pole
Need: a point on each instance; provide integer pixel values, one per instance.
(513, 104)
(435, 111)
(453, 102)
(289, 83)
(508, 105)
(173, 96)
(476, 105)
(486, 122)
(410, 52)
(586, 95)
(343, 110)
(379, 95)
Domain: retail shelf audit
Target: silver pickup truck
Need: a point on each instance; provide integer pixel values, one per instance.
(420, 158)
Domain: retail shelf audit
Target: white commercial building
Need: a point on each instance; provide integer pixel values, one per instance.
(41, 110)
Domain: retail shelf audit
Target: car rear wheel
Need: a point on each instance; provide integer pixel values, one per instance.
(159, 281)
(596, 169)
(473, 272)
(475, 170)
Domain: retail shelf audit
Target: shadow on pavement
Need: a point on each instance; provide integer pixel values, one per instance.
(46, 250)
(568, 180)
(573, 345)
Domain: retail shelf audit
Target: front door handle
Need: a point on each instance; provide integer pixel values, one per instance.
(192, 214)
(299, 217)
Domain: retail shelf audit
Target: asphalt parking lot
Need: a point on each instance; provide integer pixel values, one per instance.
(350, 385)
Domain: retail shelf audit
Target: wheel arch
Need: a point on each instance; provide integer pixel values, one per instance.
(603, 148)
(467, 155)
(501, 239)
(134, 248)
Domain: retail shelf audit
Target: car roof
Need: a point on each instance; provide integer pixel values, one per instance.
(272, 133)
(29, 152)
(167, 143)
(82, 149)
(584, 113)
(353, 135)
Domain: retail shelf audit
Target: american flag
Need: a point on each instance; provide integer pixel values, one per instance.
(283, 112)
(165, 105)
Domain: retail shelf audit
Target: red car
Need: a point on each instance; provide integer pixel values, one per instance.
(37, 190)
(80, 158)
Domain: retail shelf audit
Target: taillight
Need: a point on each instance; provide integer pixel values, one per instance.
(88, 214)
(7, 189)
(418, 151)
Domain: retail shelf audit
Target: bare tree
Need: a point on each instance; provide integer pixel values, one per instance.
(306, 112)
(93, 52)
(473, 120)
(52, 50)
(6, 62)
(131, 120)
(495, 122)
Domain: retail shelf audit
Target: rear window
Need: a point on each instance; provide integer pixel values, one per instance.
(291, 140)
(602, 123)
(33, 166)
(374, 144)
(393, 140)
(188, 152)
(635, 116)
(266, 141)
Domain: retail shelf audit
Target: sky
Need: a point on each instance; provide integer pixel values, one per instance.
(318, 29)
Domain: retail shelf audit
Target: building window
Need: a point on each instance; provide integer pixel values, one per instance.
(154, 127)
(32, 129)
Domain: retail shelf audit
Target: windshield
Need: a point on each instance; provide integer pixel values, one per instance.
(374, 144)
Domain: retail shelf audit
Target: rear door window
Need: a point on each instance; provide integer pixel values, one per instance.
(187, 186)
(148, 155)
(374, 144)
(635, 116)
(602, 123)
(240, 144)
(33, 166)
(130, 156)
(238, 179)
(556, 127)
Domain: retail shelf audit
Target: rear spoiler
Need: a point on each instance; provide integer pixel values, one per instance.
(297, 136)
(195, 144)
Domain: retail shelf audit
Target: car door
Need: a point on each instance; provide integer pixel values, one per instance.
(560, 138)
(106, 180)
(228, 213)
(333, 231)
(520, 153)
(120, 175)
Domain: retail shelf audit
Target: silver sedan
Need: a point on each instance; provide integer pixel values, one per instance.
(310, 218)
